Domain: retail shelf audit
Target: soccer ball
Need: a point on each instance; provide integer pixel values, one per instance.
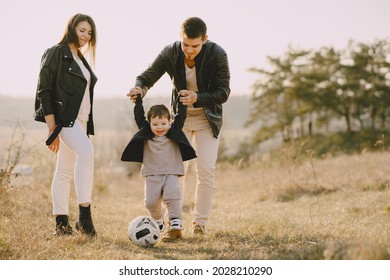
(144, 231)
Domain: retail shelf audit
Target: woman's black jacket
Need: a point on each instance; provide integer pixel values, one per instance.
(61, 87)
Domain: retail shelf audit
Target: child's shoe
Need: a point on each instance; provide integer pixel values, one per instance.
(161, 224)
(174, 232)
(176, 224)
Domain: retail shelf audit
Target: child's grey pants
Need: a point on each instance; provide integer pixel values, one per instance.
(166, 189)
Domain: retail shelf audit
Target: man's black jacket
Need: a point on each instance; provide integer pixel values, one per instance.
(212, 74)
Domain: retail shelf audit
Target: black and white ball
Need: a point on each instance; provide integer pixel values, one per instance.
(144, 231)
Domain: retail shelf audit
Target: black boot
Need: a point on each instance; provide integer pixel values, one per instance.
(62, 226)
(85, 224)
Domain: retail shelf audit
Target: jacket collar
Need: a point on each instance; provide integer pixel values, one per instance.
(181, 83)
(67, 53)
(200, 55)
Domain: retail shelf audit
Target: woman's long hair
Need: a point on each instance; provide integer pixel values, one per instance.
(70, 35)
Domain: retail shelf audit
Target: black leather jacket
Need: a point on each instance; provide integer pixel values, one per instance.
(61, 87)
(134, 151)
(212, 74)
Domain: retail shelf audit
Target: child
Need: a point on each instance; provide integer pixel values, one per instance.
(161, 146)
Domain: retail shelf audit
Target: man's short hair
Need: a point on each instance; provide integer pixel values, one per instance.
(194, 27)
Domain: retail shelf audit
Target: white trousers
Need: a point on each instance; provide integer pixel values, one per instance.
(75, 160)
(200, 135)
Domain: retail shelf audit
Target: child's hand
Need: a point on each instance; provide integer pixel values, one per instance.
(134, 93)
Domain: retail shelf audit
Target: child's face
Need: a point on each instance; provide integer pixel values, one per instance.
(159, 126)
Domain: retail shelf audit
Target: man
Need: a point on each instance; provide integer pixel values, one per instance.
(200, 74)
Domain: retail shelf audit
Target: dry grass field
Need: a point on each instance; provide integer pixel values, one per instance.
(274, 209)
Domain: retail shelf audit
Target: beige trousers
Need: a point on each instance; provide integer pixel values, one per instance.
(200, 135)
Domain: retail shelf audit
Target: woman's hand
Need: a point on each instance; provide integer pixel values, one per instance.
(51, 124)
(55, 146)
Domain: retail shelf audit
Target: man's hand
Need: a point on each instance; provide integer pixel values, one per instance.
(188, 97)
(133, 93)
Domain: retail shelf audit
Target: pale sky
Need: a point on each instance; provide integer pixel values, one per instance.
(132, 33)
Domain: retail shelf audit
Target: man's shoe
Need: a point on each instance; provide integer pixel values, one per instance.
(171, 235)
(198, 229)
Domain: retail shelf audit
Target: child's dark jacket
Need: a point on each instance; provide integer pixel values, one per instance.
(134, 151)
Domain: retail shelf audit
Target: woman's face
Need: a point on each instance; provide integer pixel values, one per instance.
(83, 32)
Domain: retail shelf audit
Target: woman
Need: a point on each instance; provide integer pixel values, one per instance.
(64, 101)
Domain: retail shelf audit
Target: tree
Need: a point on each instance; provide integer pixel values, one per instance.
(275, 96)
(306, 87)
